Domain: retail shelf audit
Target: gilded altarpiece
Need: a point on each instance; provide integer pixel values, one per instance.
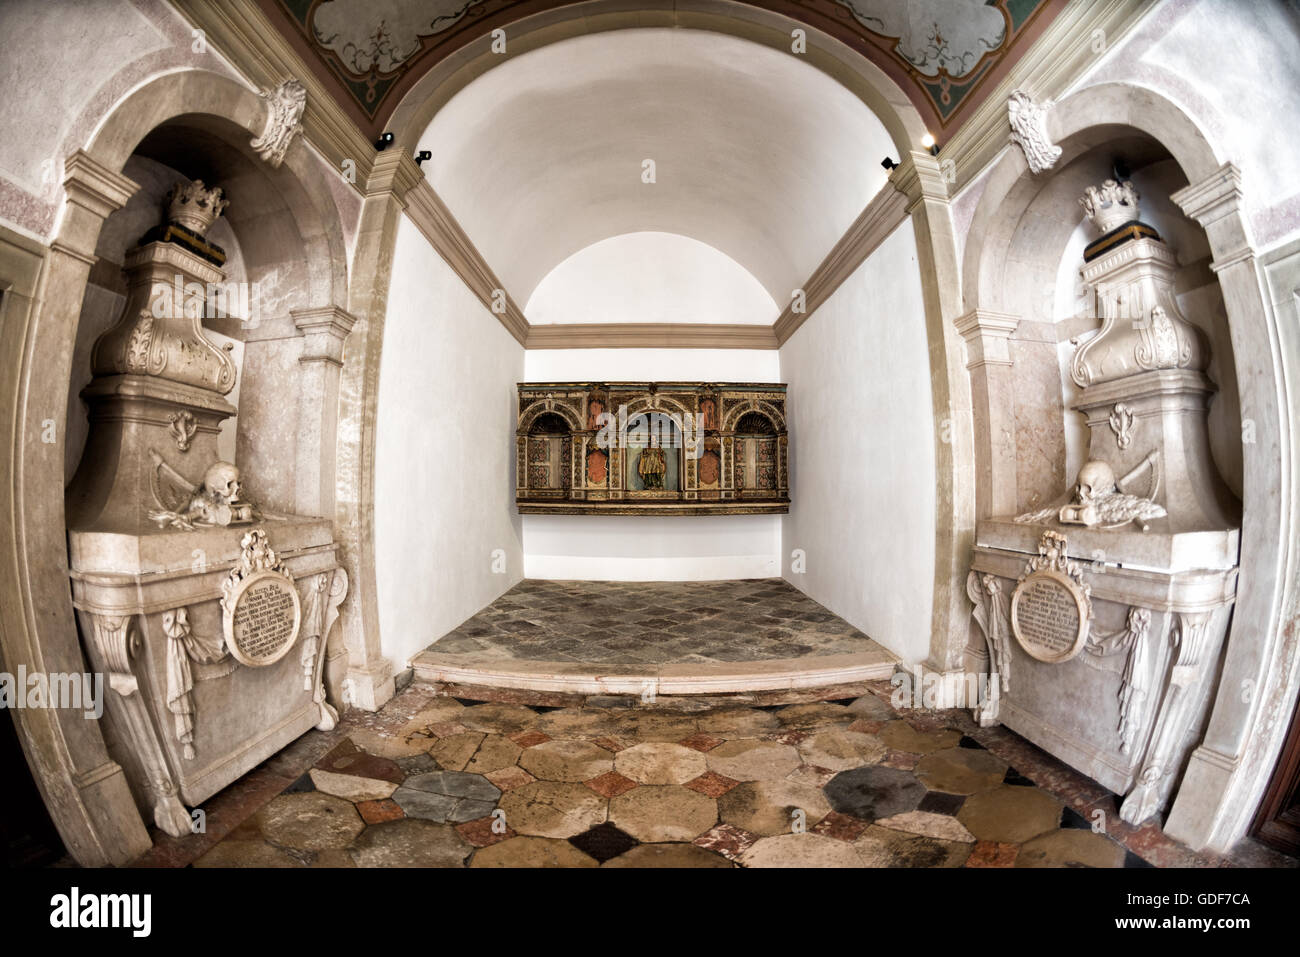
(652, 448)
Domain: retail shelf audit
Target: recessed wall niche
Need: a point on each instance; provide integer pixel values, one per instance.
(647, 448)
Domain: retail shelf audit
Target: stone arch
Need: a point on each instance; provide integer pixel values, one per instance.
(1228, 772)
(84, 789)
(868, 81)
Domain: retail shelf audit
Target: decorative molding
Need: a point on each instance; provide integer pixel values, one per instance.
(1213, 198)
(284, 106)
(1029, 130)
(921, 178)
(183, 646)
(885, 213)
(650, 335)
(986, 334)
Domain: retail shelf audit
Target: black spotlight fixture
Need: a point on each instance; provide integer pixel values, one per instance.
(421, 156)
(888, 163)
(929, 142)
(934, 149)
(385, 140)
(1121, 170)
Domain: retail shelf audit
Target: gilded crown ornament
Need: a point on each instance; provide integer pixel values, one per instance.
(1110, 205)
(194, 206)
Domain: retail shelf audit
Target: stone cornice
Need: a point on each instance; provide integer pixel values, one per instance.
(95, 187)
(393, 172)
(986, 334)
(650, 335)
(1213, 198)
(919, 177)
(885, 212)
(324, 330)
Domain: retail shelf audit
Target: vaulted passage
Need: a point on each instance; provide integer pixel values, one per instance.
(655, 434)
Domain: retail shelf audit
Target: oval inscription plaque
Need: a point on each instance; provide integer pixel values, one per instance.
(263, 618)
(1049, 616)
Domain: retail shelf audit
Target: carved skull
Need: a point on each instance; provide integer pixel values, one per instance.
(1096, 480)
(221, 482)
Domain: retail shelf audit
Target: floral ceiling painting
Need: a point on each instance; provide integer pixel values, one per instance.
(945, 54)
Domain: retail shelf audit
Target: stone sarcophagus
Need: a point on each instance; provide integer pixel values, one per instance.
(207, 616)
(1104, 614)
(652, 448)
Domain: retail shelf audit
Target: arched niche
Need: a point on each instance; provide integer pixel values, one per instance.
(85, 791)
(1017, 292)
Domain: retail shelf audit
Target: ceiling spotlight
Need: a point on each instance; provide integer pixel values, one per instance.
(927, 140)
(1121, 170)
(421, 156)
(888, 163)
(385, 140)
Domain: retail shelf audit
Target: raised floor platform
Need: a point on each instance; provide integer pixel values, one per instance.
(660, 638)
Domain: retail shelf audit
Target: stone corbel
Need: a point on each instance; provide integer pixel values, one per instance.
(114, 642)
(285, 105)
(1135, 681)
(1029, 130)
(1189, 636)
(985, 592)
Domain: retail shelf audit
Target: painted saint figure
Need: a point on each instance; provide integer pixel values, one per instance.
(651, 466)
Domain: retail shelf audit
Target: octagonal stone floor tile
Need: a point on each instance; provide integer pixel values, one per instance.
(566, 760)
(437, 711)
(1072, 847)
(454, 796)
(816, 714)
(800, 850)
(767, 808)
(654, 813)
(668, 855)
(960, 770)
(840, 750)
(941, 827)
(884, 847)
(411, 843)
(498, 718)
(453, 753)
(901, 736)
(386, 745)
(553, 809)
(350, 787)
(495, 753)
(309, 821)
(528, 851)
(749, 759)
(737, 722)
(1010, 815)
(660, 762)
(874, 792)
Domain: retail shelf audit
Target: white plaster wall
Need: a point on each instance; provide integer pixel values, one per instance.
(651, 547)
(650, 277)
(862, 471)
(444, 453)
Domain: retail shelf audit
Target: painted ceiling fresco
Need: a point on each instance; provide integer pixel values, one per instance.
(945, 54)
